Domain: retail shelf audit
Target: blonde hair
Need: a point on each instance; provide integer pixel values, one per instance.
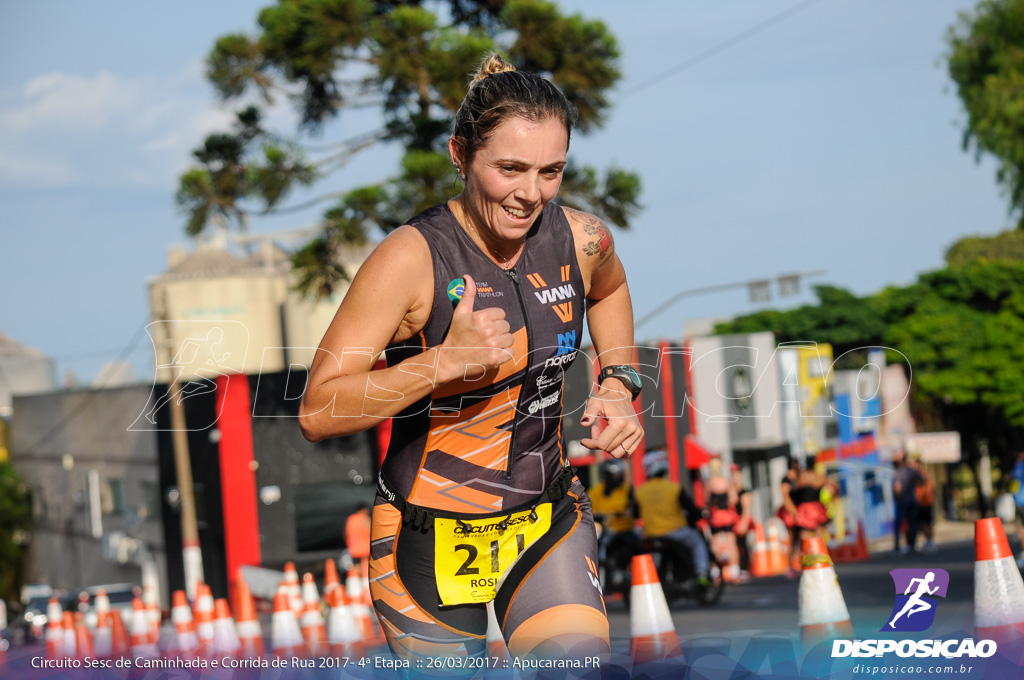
(492, 64)
(498, 92)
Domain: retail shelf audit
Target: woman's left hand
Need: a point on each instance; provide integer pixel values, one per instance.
(620, 433)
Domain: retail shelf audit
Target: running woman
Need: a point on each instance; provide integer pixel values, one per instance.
(480, 303)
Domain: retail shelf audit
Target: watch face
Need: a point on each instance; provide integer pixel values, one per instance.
(636, 376)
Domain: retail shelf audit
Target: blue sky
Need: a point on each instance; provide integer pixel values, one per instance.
(829, 141)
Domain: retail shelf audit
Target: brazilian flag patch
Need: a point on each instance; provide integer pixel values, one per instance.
(455, 290)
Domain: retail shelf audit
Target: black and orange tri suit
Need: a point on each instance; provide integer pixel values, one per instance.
(492, 449)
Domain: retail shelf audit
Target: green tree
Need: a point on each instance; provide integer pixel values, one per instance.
(15, 521)
(411, 61)
(986, 61)
(1007, 246)
(849, 323)
(962, 331)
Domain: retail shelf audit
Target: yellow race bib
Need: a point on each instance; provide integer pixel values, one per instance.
(471, 555)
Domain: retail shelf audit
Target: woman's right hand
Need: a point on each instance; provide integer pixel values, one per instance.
(477, 341)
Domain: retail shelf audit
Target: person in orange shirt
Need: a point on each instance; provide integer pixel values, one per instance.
(357, 533)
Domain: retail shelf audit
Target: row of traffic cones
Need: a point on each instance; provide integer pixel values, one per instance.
(206, 628)
(823, 614)
(68, 637)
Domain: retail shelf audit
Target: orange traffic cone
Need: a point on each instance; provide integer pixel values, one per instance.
(331, 580)
(496, 647)
(141, 634)
(823, 612)
(760, 558)
(202, 611)
(291, 578)
(153, 614)
(998, 588)
(83, 639)
(778, 546)
(54, 629)
(250, 633)
(343, 634)
(653, 634)
(103, 635)
(354, 585)
(314, 630)
(120, 642)
(225, 638)
(286, 638)
(69, 648)
(863, 552)
(186, 641)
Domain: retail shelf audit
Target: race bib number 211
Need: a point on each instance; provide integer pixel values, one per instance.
(471, 555)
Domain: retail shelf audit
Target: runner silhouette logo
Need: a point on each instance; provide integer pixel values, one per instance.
(916, 590)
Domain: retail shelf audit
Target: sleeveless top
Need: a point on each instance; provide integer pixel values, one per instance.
(483, 446)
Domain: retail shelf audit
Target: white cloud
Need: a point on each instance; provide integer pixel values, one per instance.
(64, 130)
(58, 99)
(35, 170)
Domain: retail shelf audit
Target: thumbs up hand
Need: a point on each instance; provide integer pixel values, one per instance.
(477, 341)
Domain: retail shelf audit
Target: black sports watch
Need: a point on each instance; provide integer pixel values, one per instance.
(626, 374)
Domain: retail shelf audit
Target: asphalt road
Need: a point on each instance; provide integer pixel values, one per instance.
(770, 605)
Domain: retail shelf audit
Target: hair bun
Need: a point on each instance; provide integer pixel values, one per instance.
(491, 65)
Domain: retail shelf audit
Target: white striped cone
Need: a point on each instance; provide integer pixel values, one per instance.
(249, 631)
(142, 645)
(998, 588)
(121, 645)
(778, 546)
(310, 596)
(203, 613)
(83, 639)
(652, 631)
(151, 599)
(331, 580)
(823, 613)
(286, 638)
(343, 634)
(186, 641)
(291, 578)
(225, 638)
(103, 636)
(354, 585)
(496, 647)
(314, 631)
(68, 648)
(54, 629)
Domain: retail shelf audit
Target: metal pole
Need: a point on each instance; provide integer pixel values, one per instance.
(703, 291)
(191, 551)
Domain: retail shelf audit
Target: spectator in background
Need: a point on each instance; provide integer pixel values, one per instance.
(1017, 489)
(721, 501)
(925, 495)
(787, 512)
(806, 494)
(746, 520)
(904, 488)
(614, 512)
(668, 511)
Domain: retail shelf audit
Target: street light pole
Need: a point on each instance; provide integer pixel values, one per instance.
(191, 551)
(716, 289)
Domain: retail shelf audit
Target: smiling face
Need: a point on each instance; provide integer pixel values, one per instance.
(512, 177)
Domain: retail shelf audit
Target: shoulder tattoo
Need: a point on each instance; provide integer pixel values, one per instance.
(599, 237)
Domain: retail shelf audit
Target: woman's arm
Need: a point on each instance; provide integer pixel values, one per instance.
(389, 301)
(610, 321)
